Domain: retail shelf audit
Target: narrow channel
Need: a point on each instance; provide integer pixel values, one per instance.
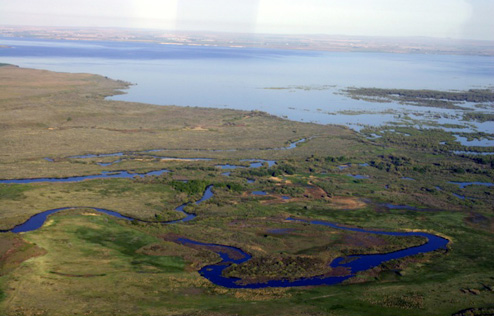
(231, 255)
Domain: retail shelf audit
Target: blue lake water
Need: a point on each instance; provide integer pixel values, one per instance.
(306, 83)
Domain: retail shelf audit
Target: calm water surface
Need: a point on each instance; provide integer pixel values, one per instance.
(299, 85)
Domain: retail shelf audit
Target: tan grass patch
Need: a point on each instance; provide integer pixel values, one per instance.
(347, 203)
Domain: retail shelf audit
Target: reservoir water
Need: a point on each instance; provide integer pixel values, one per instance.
(300, 85)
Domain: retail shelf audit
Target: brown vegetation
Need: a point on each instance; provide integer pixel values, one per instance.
(14, 250)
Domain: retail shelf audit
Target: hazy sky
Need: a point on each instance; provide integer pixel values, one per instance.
(438, 18)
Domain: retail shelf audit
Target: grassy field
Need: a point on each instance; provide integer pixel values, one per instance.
(85, 263)
(58, 115)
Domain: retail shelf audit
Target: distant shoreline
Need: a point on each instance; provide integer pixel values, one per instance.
(313, 42)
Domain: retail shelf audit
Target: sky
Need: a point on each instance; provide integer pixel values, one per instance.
(468, 19)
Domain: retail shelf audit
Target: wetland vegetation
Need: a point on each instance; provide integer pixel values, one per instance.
(429, 98)
(102, 265)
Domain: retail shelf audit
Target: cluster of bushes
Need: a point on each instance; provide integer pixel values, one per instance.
(336, 159)
(483, 160)
(286, 267)
(391, 163)
(291, 191)
(275, 171)
(190, 187)
(231, 186)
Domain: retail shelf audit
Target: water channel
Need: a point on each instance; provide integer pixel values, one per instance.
(232, 255)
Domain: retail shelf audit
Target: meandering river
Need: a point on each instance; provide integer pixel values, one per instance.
(230, 255)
